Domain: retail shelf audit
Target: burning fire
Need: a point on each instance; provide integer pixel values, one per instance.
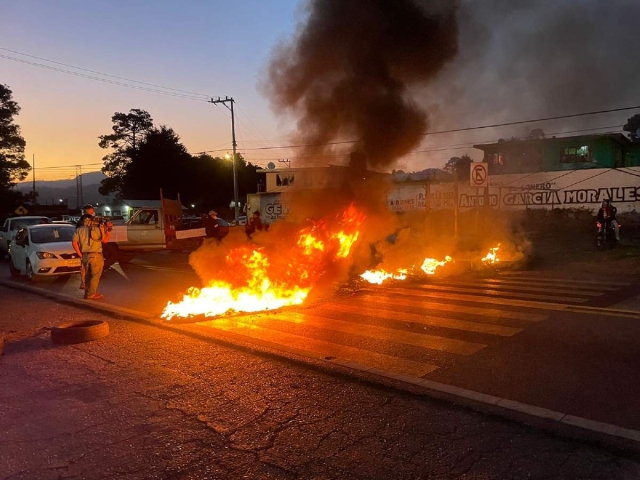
(430, 265)
(379, 276)
(492, 256)
(255, 282)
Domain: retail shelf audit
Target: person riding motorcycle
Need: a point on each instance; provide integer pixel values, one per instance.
(607, 216)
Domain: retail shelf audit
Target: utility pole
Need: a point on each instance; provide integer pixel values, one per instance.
(224, 102)
(79, 195)
(33, 192)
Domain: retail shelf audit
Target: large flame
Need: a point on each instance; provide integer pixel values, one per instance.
(492, 256)
(379, 276)
(257, 283)
(430, 265)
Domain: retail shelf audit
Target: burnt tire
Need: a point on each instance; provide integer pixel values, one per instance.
(79, 332)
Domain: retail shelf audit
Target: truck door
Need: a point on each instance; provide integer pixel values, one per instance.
(144, 230)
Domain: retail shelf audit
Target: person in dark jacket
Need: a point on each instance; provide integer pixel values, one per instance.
(607, 215)
(212, 226)
(254, 223)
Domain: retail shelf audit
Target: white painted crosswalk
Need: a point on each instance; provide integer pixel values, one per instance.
(413, 329)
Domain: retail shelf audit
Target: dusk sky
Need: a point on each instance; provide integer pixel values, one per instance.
(543, 60)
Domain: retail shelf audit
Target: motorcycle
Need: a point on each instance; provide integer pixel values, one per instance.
(606, 236)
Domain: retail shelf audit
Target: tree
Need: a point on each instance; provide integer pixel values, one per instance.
(161, 161)
(632, 126)
(13, 166)
(129, 131)
(460, 165)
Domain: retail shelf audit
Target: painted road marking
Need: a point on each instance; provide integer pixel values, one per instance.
(490, 299)
(431, 342)
(526, 288)
(499, 290)
(529, 276)
(516, 283)
(374, 297)
(472, 298)
(321, 348)
(432, 321)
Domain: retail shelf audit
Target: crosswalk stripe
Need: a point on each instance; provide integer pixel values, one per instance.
(478, 299)
(529, 287)
(539, 277)
(432, 321)
(490, 293)
(537, 284)
(321, 348)
(449, 307)
(431, 342)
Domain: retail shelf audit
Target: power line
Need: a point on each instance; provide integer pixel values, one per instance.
(104, 80)
(104, 74)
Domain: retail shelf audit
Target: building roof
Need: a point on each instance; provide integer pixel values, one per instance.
(135, 204)
(618, 137)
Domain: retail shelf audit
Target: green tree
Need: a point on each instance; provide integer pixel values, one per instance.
(13, 166)
(459, 164)
(632, 126)
(129, 131)
(161, 161)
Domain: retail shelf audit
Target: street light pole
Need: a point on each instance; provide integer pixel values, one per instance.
(233, 159)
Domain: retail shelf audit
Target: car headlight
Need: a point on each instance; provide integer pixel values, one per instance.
(43, 255)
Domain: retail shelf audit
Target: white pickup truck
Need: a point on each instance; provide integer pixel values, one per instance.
(151, 229)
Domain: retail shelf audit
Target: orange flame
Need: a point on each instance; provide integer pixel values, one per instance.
(492, 256)
(430, 265)
(257, 283)
(379, 276)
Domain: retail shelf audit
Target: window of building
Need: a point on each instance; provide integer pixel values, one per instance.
(576, 154)
(283, 180)
(496, 158)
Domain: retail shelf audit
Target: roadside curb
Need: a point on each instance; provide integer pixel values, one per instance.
(560, 423)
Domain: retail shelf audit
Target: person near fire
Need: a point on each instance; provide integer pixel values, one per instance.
(212, 226)
(87, 212)
(607, 215)
(254, 223)
(87, 242)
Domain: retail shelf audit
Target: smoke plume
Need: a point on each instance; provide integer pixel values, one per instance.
(348, 71)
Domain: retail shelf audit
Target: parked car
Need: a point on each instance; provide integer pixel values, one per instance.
(12, 225)
(43, 250)
(242, 220)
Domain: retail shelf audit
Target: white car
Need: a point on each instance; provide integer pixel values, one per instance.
(43, 250)
(11, 226)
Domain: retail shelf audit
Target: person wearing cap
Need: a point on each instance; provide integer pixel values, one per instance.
(87, 214)
(211, 225)
(87, 243)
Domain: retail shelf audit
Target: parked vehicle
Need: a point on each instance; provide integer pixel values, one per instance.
(606, 236)
(43, 250)
(152, 229)
(12, 225)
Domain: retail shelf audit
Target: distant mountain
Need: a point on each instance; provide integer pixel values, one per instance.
(50, 192)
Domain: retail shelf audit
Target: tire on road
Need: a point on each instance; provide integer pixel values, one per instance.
(79, 332)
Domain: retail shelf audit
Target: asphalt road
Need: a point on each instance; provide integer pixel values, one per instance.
(145, 402)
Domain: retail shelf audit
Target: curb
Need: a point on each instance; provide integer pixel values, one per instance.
(559, 423)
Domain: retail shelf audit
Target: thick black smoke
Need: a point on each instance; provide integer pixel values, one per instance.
(347, 72)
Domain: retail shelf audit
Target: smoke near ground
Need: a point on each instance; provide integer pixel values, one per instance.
(348, 71)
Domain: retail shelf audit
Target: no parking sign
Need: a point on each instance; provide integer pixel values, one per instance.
(479, 174)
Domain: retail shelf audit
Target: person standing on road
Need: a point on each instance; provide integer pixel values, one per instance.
(254, 223)
(87, 242)
(88, 213)
(212, 226)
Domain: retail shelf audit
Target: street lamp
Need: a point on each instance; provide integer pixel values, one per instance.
(236, 207)
(224, 102)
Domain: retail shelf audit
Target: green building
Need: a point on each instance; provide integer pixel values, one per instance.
(558, 154)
